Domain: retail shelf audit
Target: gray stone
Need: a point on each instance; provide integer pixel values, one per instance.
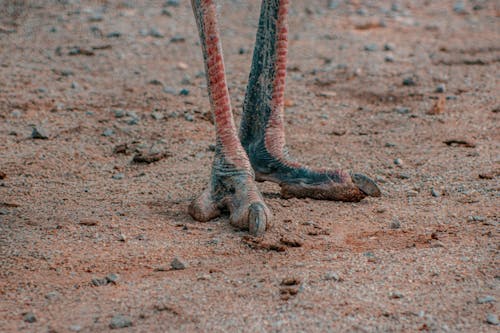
(169, 90)
(98, 282)
(29, 317)
(395, 224)
(153, 32)
(112, 278)
(75, 328)
(486, 299)
(441, 88)
(120, 321)
(119, 113)
(118, 176)
(108, 132)
(39, 133)
(332, 276)
(371, 47)
(177, 264)
(409, 81)
(402, 110)
(52, 295)
(157, 115)
(395, 295)
(492, 319)
(389, 47)
(398, 162)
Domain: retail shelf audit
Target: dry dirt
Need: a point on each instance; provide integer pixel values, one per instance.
(104, 80)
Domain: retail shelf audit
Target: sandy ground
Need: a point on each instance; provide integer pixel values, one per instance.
(404, 91)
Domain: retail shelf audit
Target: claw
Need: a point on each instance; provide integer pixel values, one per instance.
(257, 219)
(366, 185)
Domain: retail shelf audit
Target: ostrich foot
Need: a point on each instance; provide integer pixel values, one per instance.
(236, 192)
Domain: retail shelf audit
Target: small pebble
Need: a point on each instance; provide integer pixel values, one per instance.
(98, 282)
(172, 3)
(118, 176)
(402, 110)
(332, 276)
(157, 115)
(177, 39)
(39, 133)
(409, 81)
(395, 224)
(177, 264)
(395, 295)
(389, 58)
(155, 82)
(153, 32)
(184, 92)
(133, 121)
(108, 132)
(486, 299)
(398, 161)
(52, 295)
(114, 34)
(119, 113)
(389, 47)
(441, 88)
(120, 321)
(112, 278)
(492, 319)
(459, 7)
(29, 317)
(16, 113)
(477, 218)
(189, 117)
(371, 47)
(169, 90)
(333, 4)
(75, 328)
(435, 193)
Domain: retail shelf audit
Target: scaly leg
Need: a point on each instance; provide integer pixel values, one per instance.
(232, 183)
(262, 132)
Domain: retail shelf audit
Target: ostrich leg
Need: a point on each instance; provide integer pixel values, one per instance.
(232, 181)
(262, 126)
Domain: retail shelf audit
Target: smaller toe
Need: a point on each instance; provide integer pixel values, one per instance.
(203, 208)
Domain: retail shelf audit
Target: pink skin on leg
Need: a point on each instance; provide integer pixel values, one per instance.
(232, 184)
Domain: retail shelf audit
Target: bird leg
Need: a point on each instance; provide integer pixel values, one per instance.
(232, 185)
(262, 131)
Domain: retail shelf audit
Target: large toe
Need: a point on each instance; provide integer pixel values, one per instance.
(258, 219)
(366, 185)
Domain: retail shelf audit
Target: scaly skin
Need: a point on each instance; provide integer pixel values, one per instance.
(232, 185)
(262, 127)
